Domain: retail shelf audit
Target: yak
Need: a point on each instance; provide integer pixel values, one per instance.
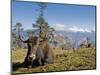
(40, 52)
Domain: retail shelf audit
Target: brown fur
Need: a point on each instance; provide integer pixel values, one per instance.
(45, 55)
(47, 51)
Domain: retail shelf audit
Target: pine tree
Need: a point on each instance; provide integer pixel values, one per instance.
(44, 29)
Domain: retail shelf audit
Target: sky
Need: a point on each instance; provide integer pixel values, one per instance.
(63, 17)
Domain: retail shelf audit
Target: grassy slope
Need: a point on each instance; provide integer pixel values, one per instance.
(64, 61)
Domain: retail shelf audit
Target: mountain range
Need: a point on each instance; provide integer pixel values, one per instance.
(78, 35)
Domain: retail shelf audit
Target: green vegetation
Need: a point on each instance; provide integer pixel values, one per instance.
(45, 30)
(82, 59)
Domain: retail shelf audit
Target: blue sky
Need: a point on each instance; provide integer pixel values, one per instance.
(60, 16)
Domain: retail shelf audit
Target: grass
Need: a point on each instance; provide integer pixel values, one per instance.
(64, 60)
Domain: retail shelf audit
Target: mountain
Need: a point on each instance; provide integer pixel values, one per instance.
(72, 35)
(77, 35)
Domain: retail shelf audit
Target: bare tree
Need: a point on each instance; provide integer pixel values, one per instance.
(16, 32)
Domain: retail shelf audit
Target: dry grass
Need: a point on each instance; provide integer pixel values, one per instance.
(82, 59)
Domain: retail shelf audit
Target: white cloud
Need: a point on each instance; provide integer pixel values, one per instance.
(76, 29)
(59, 27)
(62, 27)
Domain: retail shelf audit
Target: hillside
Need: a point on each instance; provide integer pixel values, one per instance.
(82, 59)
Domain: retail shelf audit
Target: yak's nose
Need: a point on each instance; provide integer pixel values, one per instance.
(32, 56)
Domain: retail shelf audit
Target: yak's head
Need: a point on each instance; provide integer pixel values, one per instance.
(34, 44)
